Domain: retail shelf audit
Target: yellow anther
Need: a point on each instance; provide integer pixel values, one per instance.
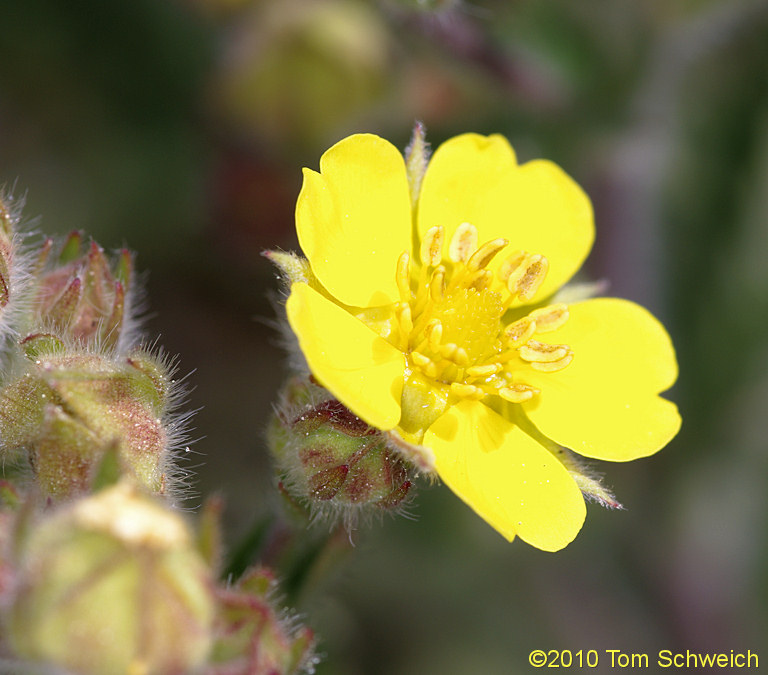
(434, 332)
(518, 393)
(448, 350)
(467, 390)
(535, 272)
(480, 280)
(403, 275)
(541, 352)
(521, 330)
(485, 254)
(432, 246)
(452, 352)
(460, 357)
(552, 366)
(437, 284)
(510, 264)
(483, 371)
(403, 314)
(420, 359)
(463, 243)
(549, 318)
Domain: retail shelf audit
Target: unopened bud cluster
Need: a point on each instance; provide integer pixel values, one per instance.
(99, 573)
(252, 638)
(78, 383)
(331, 459)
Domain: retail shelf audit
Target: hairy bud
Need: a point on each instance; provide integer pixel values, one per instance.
(71, 405)
(329, 458)
(112, 584)
(81, 296)
(253, 638)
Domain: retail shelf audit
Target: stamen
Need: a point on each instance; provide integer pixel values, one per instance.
(518, 393)
(541, 352)
(552, 366)
(403, 315)
(453, 353)
(533, 278)
(521, 330)
(432, 246)
(437, 285)
(402, 276)
(467, 390)
(510, 264)
(463, 243)
(447, 351)
(434, 333)
(483, 371)
(460, 358)
(427, 365)
(549, 318)
(526, 278)
(485, 254)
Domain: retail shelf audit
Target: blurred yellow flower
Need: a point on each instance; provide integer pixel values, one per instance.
(426, 307)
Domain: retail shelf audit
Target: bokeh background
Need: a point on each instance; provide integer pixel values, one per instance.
(179, 129)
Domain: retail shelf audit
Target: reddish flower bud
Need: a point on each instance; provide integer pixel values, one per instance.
(329, 457)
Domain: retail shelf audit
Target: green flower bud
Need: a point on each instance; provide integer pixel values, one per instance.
(70, 406)
(330, 458)
(112, 585)
(253, 638)
(298, 70)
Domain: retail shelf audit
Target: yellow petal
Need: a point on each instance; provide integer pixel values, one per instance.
(604, 403)
(510, 480)
(358, 367)
(536, 206)
(354, 219)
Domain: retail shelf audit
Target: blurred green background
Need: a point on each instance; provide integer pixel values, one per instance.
(179, 129)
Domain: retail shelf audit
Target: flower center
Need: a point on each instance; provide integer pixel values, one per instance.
(451, 318)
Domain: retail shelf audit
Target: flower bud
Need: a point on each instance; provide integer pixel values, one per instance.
(81, 296)
(71, 405)
(113, 585)
(289, 63)
(330, 457)
(253, 638)
(13, 274)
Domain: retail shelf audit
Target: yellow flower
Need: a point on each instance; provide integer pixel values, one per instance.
(427, 306)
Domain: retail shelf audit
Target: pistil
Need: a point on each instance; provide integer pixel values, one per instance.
(450, 319)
